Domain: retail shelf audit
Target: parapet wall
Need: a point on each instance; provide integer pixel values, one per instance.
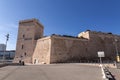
(57, 49)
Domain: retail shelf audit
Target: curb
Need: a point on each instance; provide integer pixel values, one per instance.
(106, 74)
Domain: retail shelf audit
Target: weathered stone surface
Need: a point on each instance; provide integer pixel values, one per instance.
(29, 32)
(68, 49)
(32, 47)
(42, 51)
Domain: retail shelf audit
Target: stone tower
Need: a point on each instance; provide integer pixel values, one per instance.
(28, 34)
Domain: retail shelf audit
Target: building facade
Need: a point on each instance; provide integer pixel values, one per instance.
(8, 55)
(33, 47)
(2, 47)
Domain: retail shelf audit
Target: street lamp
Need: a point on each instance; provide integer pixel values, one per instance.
(7, 38)
(117, 54)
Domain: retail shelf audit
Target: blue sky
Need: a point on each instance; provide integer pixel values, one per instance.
(59, 16)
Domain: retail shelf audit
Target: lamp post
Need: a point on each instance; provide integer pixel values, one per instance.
(7, 38)
(117, 54)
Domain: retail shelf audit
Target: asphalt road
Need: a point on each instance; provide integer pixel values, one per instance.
(51, 72)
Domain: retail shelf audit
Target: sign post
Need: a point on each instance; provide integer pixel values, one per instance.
(100, 55)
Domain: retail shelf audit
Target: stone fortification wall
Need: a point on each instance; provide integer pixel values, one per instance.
(105, 42)
(65, 49)
(42, 51)
(33, 48)
(29, 32)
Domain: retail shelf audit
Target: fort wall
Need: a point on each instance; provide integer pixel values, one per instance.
(65, 49)
(32, 47)
(42, 51)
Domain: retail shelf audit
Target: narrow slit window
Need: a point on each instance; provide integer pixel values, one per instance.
(23, 36)
(25, 53)
(22, 46)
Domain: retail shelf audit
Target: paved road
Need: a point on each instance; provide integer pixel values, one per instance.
(51, 72)
(115, 72)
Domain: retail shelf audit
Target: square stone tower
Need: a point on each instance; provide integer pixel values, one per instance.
(28, 34)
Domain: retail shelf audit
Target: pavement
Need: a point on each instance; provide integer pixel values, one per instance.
(2, 65)
(51, 72)
(115, 72)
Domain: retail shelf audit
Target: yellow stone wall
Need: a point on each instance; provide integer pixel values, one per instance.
(28, 33)
(42, 51)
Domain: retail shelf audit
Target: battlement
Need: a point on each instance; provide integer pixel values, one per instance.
(34, 20)
(29, 20)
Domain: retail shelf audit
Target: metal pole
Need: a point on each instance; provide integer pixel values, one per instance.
(100, 60)
(7, 38)
(101, 65)
(117, 55)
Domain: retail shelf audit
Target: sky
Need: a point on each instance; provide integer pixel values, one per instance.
(68, 17)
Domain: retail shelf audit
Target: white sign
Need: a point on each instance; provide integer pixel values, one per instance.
(101, 54)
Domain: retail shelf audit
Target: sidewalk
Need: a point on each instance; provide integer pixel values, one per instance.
(2, 65)
(115, 72)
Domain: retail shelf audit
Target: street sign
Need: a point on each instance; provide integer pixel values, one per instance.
(101, 54)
